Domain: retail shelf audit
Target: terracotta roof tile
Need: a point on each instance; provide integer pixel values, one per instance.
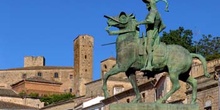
(37, 79)
(8, 92)
(12, 106)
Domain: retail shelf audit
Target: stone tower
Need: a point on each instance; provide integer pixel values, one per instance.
(83, 63)
(108, 64)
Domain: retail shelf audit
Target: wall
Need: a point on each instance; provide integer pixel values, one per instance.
(207, 90)
(30, 61)
(197, 69)
(23, 101)
(10, 77)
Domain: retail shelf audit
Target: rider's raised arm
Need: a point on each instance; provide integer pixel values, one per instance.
(142, 22)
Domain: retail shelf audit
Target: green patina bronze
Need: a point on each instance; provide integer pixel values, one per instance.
(152, 106)
(131, 56)
(154, 26)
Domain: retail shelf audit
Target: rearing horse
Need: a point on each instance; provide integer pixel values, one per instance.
(174, 59)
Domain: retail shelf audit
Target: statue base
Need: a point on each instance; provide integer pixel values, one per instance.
(153, 106)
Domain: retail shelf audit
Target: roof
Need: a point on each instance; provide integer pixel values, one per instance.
(41, 68)
(37, 79)
(110, 58)
(110, 79)
(7, 105)
(93, 81)
(82, 36)
(8, 92)
(62, 102)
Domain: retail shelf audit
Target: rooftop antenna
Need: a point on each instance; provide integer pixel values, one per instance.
(196, 33)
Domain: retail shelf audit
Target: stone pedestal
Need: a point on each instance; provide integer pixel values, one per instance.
(153, 106)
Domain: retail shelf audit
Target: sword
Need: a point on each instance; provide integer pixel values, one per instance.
(108, 44)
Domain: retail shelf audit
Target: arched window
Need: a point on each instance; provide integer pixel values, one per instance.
(208, 105)
(105, 66)
(56, 75)
(71, 90)
(128, 100)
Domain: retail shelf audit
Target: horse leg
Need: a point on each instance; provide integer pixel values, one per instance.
(193, 83)
(115, 70)
(174, 77)
(132, 78)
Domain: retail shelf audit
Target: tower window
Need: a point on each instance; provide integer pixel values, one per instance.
(56, 75)
(105, 66)
(71, 90)
(143, 95)
(85, 56)
(39, 74)
(128, 100)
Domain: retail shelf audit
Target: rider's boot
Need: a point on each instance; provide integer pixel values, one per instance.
(149, 62)
(148, 66)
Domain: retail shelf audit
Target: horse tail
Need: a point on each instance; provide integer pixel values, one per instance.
(204, 63)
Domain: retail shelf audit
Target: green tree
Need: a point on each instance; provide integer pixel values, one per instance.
(209, 47)
(56, 98)
(181, 37)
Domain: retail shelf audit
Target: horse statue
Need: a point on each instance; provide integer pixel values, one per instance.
(131, 57)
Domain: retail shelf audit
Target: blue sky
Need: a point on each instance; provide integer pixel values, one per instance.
(48, 27)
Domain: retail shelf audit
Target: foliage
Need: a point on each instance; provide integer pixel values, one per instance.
(56, 98)
(22, 94)
(34, 95)
(181, 37)
(209, 47)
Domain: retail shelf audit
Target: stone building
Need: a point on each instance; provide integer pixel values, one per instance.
(208, 97)
(151, 89)
(37, 85)
(208, 89)
(72, 78)
(9, 99)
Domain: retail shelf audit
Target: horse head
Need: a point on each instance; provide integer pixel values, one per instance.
(120, 21)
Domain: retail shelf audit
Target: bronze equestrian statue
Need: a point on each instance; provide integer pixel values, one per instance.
(130, 57)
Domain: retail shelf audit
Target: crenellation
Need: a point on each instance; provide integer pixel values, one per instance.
(30, 61)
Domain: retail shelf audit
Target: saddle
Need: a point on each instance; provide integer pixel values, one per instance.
(159, 49)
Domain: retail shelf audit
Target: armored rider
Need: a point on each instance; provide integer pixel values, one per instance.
(154, 26)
